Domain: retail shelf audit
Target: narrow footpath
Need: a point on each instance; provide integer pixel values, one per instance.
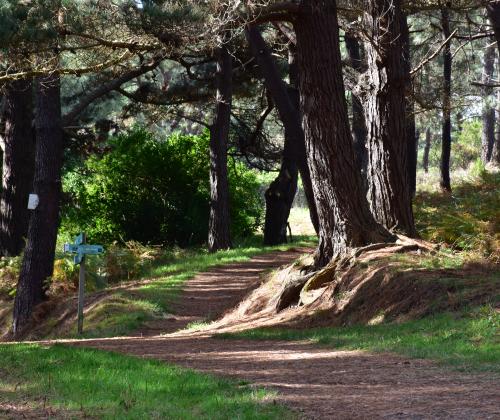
(318, 382)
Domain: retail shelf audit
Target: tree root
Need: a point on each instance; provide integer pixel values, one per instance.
(295, 288)
(290, 292)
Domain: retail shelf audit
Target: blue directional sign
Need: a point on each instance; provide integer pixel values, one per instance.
(72, 248)
(90, 249)
(79, 239)
(81, 249)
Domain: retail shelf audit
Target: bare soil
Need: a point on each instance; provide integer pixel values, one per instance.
(317, 382)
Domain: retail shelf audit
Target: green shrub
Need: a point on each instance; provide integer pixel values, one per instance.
(154, 191)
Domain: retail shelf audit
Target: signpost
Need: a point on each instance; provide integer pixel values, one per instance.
(80, 249)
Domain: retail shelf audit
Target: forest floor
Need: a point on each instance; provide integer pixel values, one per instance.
(316, 381)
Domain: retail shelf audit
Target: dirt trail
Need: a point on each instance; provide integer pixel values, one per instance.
(208, 295)
(318, 382)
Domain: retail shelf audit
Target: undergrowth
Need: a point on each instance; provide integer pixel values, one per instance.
(126, 308)
(87, 383)
(467, 220)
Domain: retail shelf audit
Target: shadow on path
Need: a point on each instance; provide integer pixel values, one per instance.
(318, 382)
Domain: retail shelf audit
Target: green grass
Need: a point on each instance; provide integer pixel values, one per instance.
(126, 310)
(92, 383)
(468, 341)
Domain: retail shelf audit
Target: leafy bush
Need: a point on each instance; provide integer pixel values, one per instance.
(154, 191)
(64, 278)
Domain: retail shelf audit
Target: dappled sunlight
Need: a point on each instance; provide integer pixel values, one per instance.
(98, 384)
(308, 377)
(319, 381)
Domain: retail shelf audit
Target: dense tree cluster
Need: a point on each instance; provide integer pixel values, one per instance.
(336, 92)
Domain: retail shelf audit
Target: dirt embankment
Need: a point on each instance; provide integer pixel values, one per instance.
(395, 282)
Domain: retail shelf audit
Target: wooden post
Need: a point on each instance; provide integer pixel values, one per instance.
(81, 290)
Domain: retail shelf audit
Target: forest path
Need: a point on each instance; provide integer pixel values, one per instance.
(208, 295)
(318, 382)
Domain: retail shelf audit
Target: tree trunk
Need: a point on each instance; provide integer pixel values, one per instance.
(280, 195)
(495, 150)
(281, 192)
(305, 174)
(460, 121)
(411, 131)
(446, 133)
(219, 220)
(493, 11)
(358, 119)
(385, 105)
(488, 113)
(38, 261)
(344, 215)
(427, 148)
(18, 167)
(488, 133)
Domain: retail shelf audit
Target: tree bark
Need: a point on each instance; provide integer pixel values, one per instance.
(359, 131)
(411, 131)
(493, 12)
(495, 150)
(18, 166)
(305, 174)
(280, 195)
(385, 108)
(446, 130)
(38, 261)
(488, 112)
(344, 215)
(219, 220)
(281, 192)
(427, 148)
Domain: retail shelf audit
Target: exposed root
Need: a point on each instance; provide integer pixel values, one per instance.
(301, 289)
(371, 284)
(289, 293)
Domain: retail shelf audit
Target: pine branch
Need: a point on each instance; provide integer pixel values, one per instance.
(9, 77)
(105, 88)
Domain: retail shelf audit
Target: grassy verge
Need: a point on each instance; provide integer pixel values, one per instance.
(90, 383)
(127, 309)
(468, 341)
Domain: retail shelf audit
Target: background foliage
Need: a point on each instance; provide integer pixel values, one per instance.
(154, 190)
